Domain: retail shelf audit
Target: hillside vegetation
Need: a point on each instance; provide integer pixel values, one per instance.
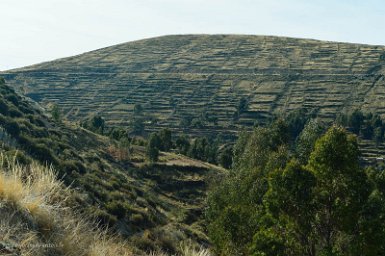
(154, 207)
(203, 84)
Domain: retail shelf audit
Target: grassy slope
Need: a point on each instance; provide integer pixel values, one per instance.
(37, 218)
(209, 74)
(143, 203)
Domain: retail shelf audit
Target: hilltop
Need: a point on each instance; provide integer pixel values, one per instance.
(209, 84)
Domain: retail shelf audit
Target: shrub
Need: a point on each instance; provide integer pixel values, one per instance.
(14, 112)
(10, 126)
(69, 166)
(3, 107)
(103, 217)
(13, 98)
(117, 208)
(136, 218)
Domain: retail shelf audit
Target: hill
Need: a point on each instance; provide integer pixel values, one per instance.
(153, 207)
(206, 84)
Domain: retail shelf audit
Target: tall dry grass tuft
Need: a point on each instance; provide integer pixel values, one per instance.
(187, 249)
(35, 222)
(31, 188)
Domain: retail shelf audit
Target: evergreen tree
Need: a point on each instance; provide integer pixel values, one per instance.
(226, 157)
(138, 109)
(152, 149)
(166, 140)
(306, 140)
(355, 121)
(340, 191)
(137, 125)
(98, 123)
(182, 144)
(56, 113)
(296, 121)
(290, 201)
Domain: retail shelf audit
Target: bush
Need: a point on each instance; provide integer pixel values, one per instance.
(103, 218)
(117, 209)
(42, 153)
(10, 126)
(136, 218)
(3, 107)
(14, 112)
(14, 99)
(69, 166)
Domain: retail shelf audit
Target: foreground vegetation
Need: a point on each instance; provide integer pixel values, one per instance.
(37, 216)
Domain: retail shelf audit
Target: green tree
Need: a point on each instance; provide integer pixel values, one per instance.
(268, 242)
(306, 140)
(98, 123)
(290, 200)
(266, 206)
(378, 135)
(239, 148)
(226, 157)
(166, 140)
(296, 121)
(198, 148)
(280, 133)
(182, 144)
(340, 191)
(372, 221)
(138, 109)
(152, 149)
(235, 206)
(56, 113)
(242, 105)
(186, 120)
(241, 108)
(137, 125)
(356, 120)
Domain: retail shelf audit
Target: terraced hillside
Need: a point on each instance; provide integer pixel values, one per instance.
(204, 77)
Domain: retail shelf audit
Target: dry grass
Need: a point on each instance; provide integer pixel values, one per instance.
(187, 249)
(35, 222)
(191, 251)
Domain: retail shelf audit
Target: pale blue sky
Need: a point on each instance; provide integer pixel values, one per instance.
(33, 31)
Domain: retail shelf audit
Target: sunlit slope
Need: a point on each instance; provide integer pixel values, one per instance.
(206, 75)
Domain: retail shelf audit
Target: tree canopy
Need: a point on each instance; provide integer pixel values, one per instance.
(275, 204)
